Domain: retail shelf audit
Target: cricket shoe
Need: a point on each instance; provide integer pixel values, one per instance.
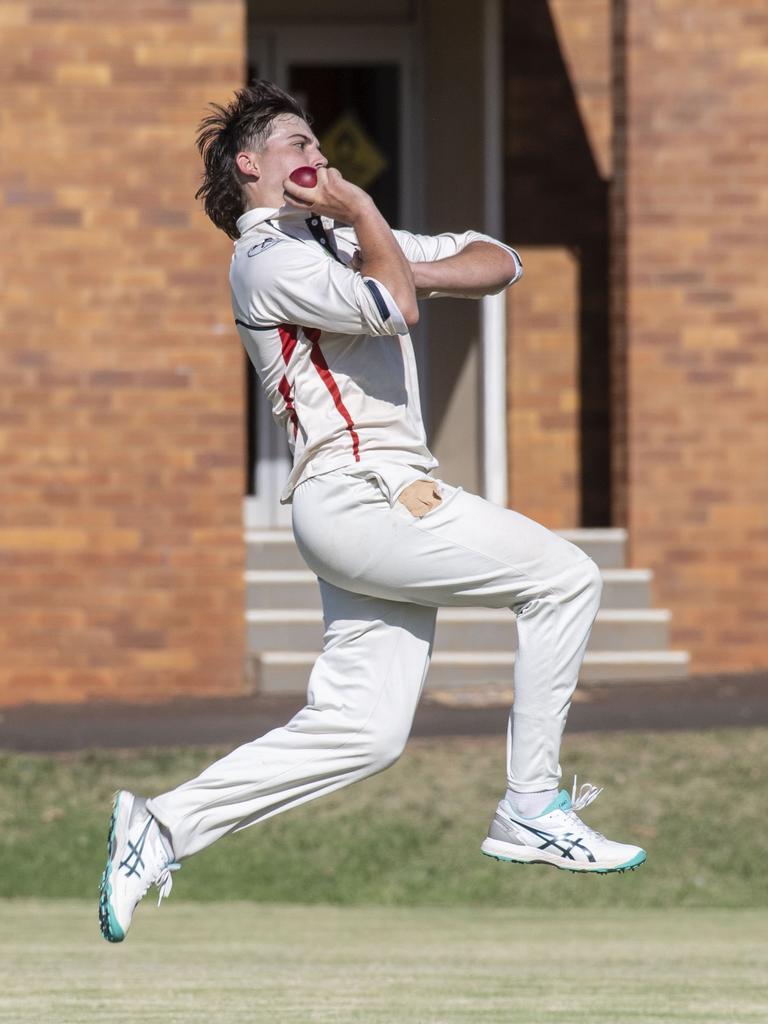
(137, 856)
(558, 837)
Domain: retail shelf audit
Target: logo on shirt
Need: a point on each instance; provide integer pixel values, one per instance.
(263, 246)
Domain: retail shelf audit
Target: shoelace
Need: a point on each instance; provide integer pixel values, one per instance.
(581, 799)
(164, 880)
(586, 794)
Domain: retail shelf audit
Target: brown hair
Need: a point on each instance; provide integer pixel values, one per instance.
(245, 123)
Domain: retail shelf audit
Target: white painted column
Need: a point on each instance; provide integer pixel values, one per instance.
(493, 327)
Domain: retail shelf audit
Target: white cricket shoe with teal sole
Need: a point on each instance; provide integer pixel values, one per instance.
(558, 837)
(137, 856)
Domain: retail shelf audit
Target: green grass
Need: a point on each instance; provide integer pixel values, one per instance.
(239, 962)
(411, 835)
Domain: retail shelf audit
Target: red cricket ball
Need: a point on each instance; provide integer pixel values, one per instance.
(306, 177)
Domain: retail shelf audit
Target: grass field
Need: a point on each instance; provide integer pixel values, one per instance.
(424, 930)
(411, 835)
(239, 962)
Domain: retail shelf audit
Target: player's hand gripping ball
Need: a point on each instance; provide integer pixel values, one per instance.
(305, 177)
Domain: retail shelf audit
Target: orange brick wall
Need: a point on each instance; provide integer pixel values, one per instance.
(121, 425)
(584, 30)
(543, 389)
(558, 148)
(697, 319)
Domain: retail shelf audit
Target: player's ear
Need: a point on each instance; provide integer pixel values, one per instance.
(248, 165)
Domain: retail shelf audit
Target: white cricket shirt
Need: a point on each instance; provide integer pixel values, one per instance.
(331, 349)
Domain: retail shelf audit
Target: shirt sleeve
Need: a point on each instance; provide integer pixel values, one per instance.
(291, 283)
(428, 248)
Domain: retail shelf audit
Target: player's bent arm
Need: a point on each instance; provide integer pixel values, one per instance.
(382, 259)
(480, 268)
(438, 248)
(295, 283)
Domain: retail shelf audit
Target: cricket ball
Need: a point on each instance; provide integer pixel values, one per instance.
(306, 177)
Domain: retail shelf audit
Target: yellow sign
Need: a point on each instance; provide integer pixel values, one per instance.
(349, 148)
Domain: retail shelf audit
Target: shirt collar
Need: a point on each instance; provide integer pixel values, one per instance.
(287, 215)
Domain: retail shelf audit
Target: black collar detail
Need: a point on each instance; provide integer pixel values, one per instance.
(316, 229)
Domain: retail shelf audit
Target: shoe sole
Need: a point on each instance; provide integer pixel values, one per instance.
(121, 810)
(500, 851)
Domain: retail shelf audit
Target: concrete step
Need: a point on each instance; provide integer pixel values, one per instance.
(276, 549)
(605, 546)
(288, 671)
(272, 549)
(462, 629)
(626, 588)
(297, 588)
(474, 646)
(281, 588)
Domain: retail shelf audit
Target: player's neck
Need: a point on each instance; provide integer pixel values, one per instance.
(261, 199)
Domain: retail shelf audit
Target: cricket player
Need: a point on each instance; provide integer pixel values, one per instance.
(323, 295)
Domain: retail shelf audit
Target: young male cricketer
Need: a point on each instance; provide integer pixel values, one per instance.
(323, 294)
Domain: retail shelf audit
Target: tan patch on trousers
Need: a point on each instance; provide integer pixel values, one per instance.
(420, 497)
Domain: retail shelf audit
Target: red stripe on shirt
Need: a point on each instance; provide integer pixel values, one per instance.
(288, 337)
(285, 390)
(318, 361)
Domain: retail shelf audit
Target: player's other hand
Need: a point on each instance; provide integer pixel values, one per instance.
(332, 196)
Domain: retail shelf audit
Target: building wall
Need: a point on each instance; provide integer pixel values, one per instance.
(584, 30)
(543, 388)
(121, 423)
(121, 428)
(558, 145)
(697, 316)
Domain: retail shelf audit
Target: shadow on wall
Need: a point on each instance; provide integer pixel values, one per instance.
(556, 196)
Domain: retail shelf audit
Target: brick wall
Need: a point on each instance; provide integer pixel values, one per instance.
(557, 162)
(584, 30)
(121, 425)
(543, 389)
(697, 319)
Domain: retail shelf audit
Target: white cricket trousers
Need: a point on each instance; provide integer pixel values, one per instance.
(383, 574)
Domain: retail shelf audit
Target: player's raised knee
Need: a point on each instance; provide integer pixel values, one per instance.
(384, 747)
(592, 578)
(595, 576)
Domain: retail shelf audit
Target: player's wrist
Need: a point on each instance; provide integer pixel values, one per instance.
(363, 209)
(423, 275)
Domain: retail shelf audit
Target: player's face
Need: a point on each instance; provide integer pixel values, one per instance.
(292, 144)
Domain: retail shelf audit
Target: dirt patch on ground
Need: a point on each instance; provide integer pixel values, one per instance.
(699, 703)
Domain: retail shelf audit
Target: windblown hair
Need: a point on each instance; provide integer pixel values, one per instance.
(244, 123)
